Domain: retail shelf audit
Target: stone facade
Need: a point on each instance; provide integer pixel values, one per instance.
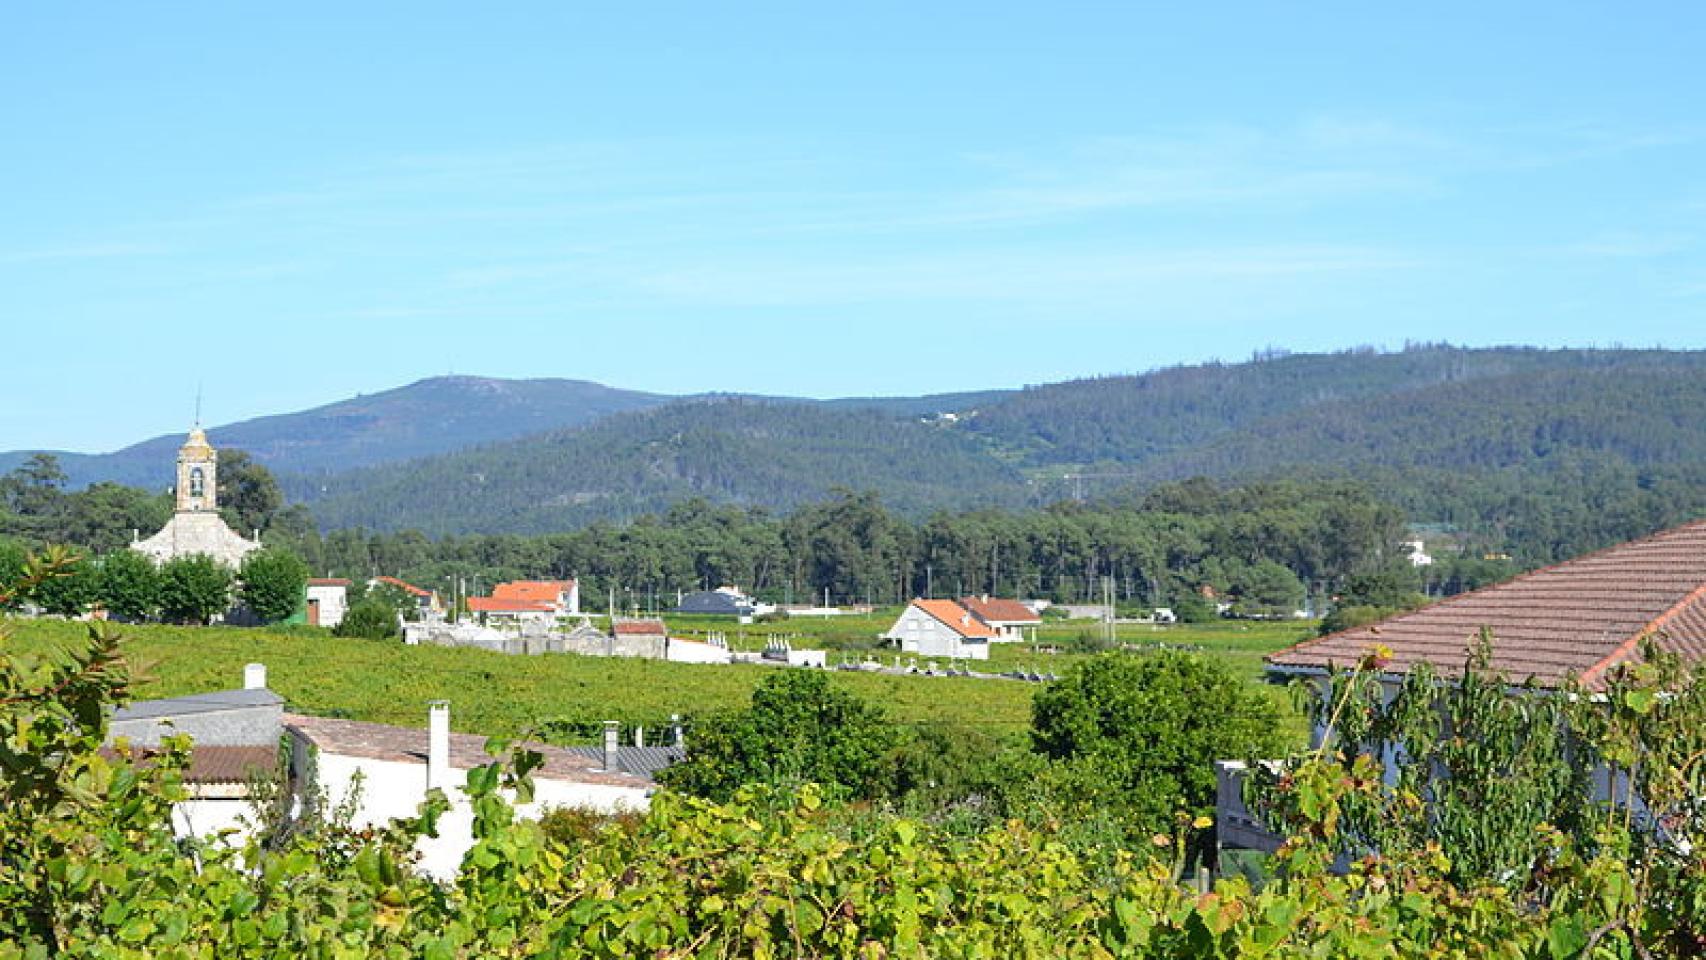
(196, 527)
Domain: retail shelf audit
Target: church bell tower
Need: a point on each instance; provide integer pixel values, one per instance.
(198, 477)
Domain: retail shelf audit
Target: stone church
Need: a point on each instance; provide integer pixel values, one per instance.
(196, 526)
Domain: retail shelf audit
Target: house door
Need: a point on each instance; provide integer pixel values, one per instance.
(313, 613)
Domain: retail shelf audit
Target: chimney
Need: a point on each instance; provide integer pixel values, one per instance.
(612, 735)
(639, 736)
(255, 676)
(438, 744)
(675, 729)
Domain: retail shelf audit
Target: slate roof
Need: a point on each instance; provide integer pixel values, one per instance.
(213, 702)
(639, 761)
(1582, 617)
(956, 618)
(378, 741)
(999, 610)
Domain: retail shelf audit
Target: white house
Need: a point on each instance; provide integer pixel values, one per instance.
(1008, 618)
(390, 769)
(941, 628)
(237, 734)
(328, 600)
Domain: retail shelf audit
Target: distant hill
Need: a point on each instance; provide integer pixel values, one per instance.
(765, 453)
(430, 416)
(1602, 440)
(1478, 437)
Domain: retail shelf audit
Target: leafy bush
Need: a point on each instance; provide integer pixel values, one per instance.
(801, 728)
(368, 619)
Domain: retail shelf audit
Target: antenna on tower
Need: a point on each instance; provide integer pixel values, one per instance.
(198, 404)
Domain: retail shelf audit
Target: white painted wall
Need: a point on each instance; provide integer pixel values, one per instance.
(391, 789)
(333, 603)
(202, 818)
(919, 632)
(692, 651)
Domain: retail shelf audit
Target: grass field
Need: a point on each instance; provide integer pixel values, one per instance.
(501, 694)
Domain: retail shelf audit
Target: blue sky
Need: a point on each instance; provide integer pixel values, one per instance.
(294, 204)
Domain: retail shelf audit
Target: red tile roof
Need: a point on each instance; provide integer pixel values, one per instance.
(1582, 617)
(957, 618)
(543, 591)
(378, 741)
(327, 582)
(215, 764)
(999, 610)
(639, 628)
(507, 605)
(405, 587)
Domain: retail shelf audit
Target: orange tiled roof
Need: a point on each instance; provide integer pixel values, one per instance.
(507, 605)
(327, 582)
(542, 591)
(1582, 617)
(405, 587)
(999, 610)
(957, 618)
(639, 628)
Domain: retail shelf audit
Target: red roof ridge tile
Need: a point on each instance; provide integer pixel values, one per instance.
(1651, 627)
(1699, 592)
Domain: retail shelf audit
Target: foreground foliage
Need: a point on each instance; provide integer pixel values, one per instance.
(89, 866)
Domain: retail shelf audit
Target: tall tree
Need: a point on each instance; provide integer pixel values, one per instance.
(273, 583)
(129, 585)
(194, 589)
(249, 496)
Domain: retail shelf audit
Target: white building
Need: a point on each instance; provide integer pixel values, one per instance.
(387, 769)
(328, 601)
(1008, 618)
(236, 734)
(941, 628)
(390, 769)
(196, 527)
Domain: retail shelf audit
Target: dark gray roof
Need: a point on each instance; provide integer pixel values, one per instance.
(198, 703)
(639, 761)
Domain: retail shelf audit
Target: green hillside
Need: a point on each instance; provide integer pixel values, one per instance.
(726, 450)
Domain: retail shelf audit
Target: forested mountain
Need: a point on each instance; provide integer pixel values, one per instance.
(430, 416)
(729, 450)
(1553, 450)
(1319, 397)
(1543, 453)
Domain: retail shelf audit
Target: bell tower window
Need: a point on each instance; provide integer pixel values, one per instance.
(197, 482)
